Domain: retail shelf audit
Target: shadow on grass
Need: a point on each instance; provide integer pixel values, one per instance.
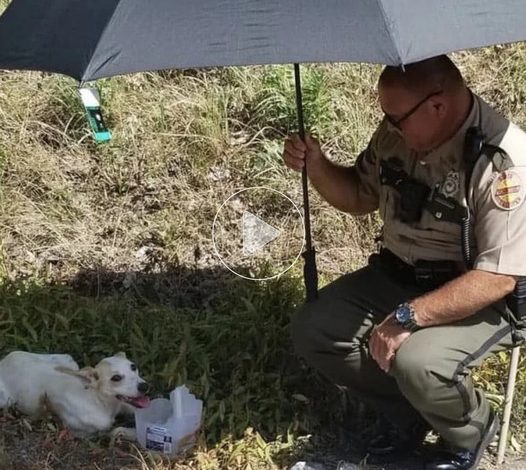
(225, 337)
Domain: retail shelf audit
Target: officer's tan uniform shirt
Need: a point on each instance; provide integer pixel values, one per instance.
(496, 198)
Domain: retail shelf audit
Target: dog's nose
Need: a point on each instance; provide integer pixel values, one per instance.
(143, 387)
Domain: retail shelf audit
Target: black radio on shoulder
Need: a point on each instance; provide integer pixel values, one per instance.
(473, 144)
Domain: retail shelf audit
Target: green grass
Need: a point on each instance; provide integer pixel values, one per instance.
(76, 216)
(227, 352)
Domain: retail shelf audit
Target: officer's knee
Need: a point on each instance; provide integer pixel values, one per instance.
(416, 372)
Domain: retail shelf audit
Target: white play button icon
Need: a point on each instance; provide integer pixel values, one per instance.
(256, 233)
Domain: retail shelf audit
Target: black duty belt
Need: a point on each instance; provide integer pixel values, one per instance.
(425, 274)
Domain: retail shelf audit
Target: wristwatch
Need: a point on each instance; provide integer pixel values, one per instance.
(404, 315)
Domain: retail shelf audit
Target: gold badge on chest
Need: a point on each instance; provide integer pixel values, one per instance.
(451, 184)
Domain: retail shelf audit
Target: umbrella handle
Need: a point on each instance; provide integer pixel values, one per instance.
(310, 273)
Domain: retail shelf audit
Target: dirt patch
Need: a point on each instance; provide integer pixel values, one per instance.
(43, 446)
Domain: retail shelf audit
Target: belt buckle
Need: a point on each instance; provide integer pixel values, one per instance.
(424, 273)
(434, 273)
(423, 270)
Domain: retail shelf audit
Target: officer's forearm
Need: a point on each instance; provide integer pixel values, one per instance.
(338, 185)
(461, 297)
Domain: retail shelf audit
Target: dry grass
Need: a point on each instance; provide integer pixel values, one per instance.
(183, 143)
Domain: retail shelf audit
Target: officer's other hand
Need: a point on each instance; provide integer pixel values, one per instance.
(297, 151)
(385, 340)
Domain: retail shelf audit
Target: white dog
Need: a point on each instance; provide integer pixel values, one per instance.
(86, 400)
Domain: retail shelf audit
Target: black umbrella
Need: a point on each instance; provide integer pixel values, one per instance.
(99, 38)
(90, 39)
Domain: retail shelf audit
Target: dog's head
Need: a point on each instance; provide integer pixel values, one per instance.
(115, 377)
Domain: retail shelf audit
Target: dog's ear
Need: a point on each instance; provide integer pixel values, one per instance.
(121, 354)
(87, 374)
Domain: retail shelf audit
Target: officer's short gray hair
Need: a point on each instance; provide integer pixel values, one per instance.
(426, 76)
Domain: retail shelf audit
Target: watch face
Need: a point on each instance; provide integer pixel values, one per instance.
(403, 314)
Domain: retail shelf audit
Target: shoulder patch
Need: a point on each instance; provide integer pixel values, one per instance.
(507, 190)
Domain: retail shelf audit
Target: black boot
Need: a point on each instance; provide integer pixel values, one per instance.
(460, 459)
(391, 441)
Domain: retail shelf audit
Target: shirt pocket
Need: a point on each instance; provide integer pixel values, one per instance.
(442, 230)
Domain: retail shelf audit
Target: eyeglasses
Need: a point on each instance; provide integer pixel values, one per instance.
(396, 122)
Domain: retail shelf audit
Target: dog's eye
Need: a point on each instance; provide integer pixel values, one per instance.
(133, 367)
(116, 378)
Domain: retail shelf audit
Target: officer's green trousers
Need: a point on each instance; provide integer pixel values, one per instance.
(430, 375)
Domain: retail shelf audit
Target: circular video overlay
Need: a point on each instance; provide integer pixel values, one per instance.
(258, 233)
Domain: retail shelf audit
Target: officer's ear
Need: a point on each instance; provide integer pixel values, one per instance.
(439, 106)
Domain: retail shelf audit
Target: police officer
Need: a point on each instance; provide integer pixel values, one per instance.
(448, 176)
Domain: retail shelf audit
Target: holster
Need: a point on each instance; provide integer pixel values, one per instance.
(516, 304)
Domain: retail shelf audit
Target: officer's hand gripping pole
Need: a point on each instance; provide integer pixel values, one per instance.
(310, 273)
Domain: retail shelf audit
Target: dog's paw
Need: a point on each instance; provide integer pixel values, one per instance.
(122, 434)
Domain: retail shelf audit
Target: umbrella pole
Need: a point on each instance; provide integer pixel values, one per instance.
(310, 273)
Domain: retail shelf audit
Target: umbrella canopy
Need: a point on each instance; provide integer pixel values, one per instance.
(99, 38)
